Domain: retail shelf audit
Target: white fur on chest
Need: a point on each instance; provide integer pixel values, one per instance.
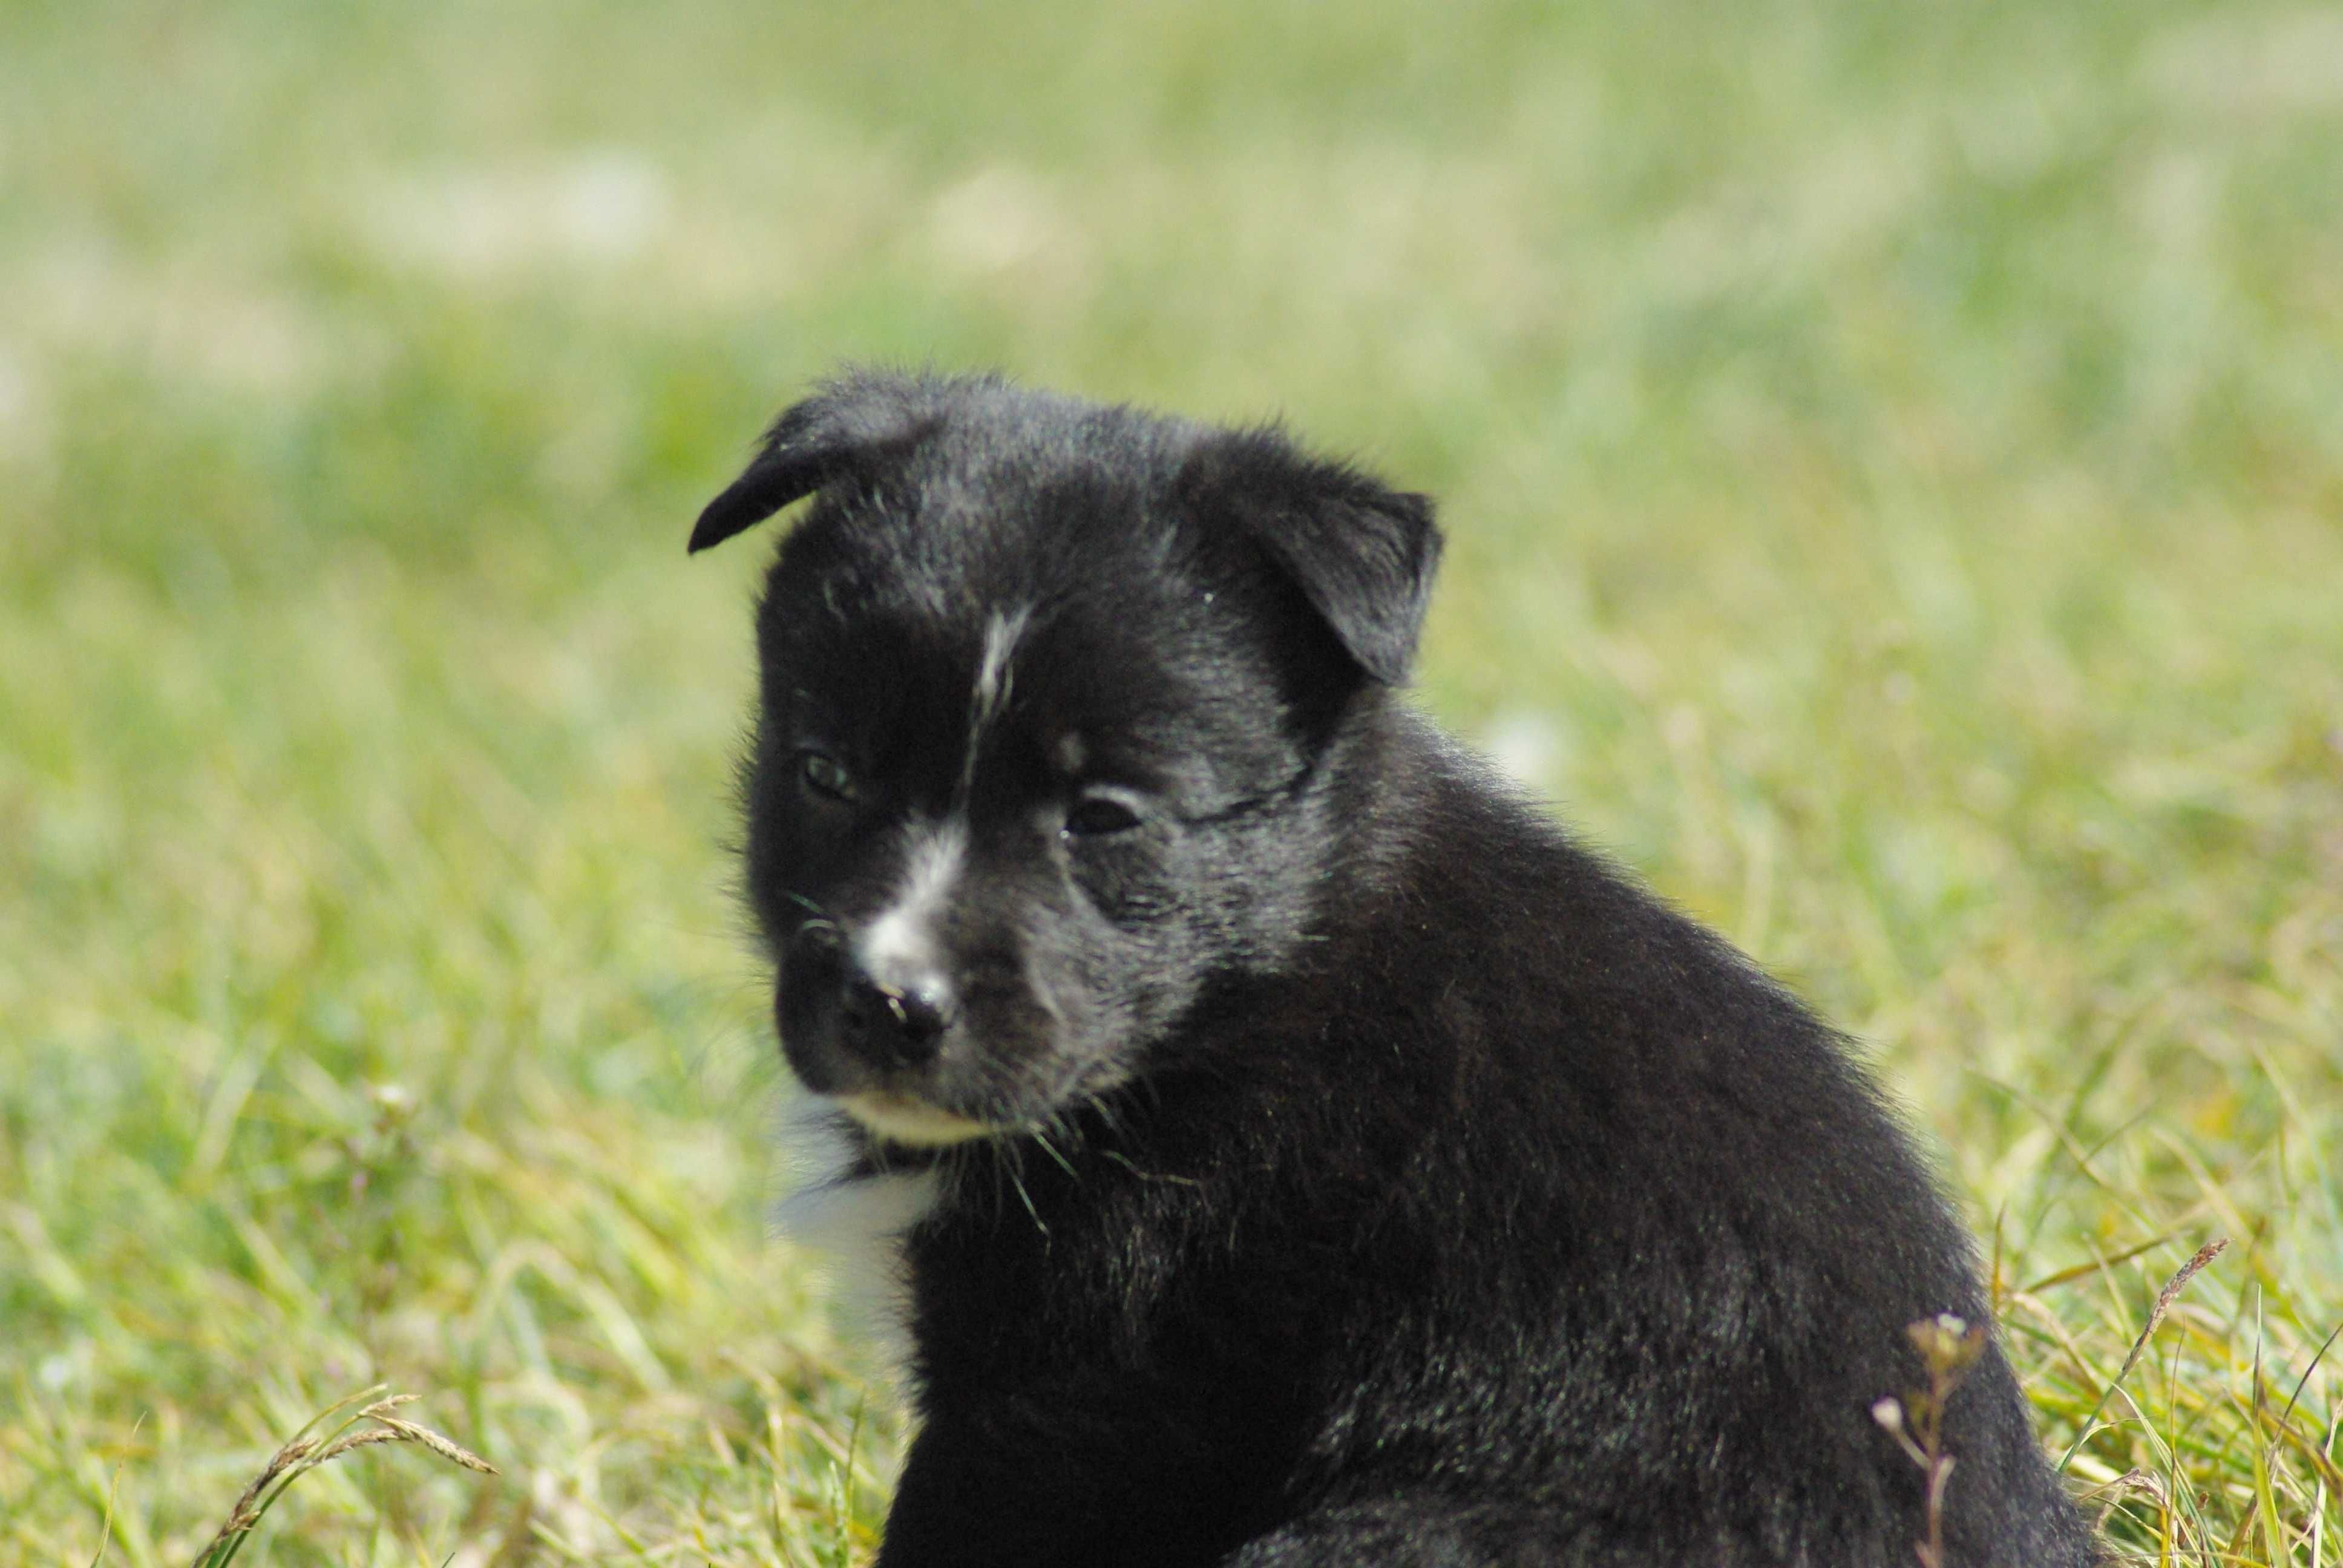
(857, 1223)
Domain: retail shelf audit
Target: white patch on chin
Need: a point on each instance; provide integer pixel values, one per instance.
(903, 937)
(912, 1123)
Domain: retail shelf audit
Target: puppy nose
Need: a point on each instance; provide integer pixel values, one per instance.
(897, 1022)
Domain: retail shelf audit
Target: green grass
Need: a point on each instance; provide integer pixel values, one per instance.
(1894, 462)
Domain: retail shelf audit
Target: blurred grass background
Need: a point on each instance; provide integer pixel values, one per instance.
(1893, 463)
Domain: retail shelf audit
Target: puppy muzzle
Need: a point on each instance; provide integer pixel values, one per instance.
(896, 1022)
(848, 1026)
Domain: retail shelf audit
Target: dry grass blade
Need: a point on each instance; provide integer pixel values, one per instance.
(249, 1508)
(2142, 1482)
(2303, 1381)
(2068, 1276)
(455, 1453)
(105, 1527)
(303, 1453)
(2163, 1300)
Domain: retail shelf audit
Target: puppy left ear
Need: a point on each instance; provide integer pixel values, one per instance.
(1363, 554)
(852, 426)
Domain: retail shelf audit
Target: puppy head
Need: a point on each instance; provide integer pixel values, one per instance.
(1044, 686)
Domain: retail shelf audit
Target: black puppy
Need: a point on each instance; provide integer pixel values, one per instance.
(1300, 1151)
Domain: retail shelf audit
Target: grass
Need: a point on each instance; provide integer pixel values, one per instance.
(1894, 461)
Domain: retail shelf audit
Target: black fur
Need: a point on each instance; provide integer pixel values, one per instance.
(1365, 1173)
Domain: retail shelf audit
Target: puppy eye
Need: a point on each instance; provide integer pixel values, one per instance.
(1095, 816)
(825, 775)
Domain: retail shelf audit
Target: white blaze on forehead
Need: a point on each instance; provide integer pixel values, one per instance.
(903, 937)
(1000, 635)
(991, 690)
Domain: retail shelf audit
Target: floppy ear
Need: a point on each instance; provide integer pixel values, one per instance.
(1361, 553)
(851, 425)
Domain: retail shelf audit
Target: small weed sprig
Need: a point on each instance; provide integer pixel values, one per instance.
(303, 1454)
(1949, 1346)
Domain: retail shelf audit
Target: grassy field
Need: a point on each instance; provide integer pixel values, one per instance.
(1893, 463)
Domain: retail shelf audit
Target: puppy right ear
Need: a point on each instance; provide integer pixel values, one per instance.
(852, 426)
(1361, 554)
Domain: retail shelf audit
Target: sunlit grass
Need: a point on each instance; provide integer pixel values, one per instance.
(1894, 465)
